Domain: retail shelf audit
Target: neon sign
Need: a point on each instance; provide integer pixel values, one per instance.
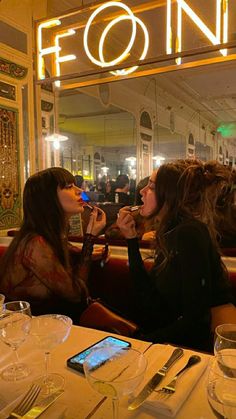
(174, 44)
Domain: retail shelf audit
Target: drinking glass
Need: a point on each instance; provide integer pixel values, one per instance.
(2, 299)
(115, 372)
(15, 321)
(50, 330)
(221, 385)
(225, 338)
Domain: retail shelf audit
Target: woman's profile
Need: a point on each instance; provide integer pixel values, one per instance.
(40, 266)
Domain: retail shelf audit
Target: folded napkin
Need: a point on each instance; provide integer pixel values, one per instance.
(170, 405)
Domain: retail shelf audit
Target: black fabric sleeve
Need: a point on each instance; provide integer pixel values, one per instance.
(194, 283)
(148, 300)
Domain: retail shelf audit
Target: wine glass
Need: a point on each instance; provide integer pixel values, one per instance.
(115, 372)
(50, 330)
(2, 299)
(221, 385)
(225, 338)
(15, 321)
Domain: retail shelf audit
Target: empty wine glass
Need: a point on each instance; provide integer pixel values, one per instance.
(221, 386)
(2, 299)
(115, 372)
(225, 339)
(50, 330)
(15, 320)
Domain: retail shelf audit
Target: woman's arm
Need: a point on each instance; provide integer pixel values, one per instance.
(180, 316)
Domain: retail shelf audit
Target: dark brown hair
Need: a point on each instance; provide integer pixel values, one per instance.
(181, 186)
(42, 214)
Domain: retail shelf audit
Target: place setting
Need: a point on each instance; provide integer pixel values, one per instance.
(28, 392)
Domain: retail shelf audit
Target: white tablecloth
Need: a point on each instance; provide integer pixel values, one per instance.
(79, 401)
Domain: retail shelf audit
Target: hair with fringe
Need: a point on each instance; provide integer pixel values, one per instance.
(42, 214)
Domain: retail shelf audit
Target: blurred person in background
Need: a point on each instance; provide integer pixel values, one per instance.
(122, 190)
(110, 191)
(79, 182)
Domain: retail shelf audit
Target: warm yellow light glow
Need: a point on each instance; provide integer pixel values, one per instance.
(64, 58)
(225, 24)
(125, 53)
(86, 31)
(103, 37)
(168, 28)
(178, 47)
(56, 137)
(41, 51)
(145, 49)
(214, 39)
(218, 19)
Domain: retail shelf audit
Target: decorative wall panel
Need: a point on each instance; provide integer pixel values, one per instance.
(9, 169)
(8, 91)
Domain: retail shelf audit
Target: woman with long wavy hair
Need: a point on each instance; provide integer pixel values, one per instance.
(174, 300)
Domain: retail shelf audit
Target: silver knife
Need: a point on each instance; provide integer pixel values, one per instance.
(43, 404)
(155, 380)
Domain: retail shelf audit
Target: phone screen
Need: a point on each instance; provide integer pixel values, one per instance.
(76, 362)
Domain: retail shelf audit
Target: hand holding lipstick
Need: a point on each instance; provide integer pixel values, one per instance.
(126, 222)
(97, 221)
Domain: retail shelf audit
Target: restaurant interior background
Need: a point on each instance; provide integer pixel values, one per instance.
(129, 126)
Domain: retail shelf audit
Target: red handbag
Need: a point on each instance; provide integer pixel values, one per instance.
(98, 316)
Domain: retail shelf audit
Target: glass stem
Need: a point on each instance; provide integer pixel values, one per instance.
(16, 357)
(47, 359)
(115, 408)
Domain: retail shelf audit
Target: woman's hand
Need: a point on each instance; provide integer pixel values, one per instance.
(126, 223)
(97, 221)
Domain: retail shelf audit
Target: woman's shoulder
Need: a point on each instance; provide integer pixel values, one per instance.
(33, 242)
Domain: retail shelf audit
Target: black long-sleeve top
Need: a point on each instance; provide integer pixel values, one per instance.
(173, 302)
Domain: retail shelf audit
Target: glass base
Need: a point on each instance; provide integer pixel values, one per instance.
(53, 382)
(15, 372)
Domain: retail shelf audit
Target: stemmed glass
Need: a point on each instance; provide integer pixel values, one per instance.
(50, 330)
(115, 372)
(15, 321)
(221, 386)
(225, 338)
(2, 299)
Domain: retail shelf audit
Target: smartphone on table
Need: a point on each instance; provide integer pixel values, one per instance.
(76, 361)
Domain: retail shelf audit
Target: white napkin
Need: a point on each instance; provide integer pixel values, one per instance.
(185, 383)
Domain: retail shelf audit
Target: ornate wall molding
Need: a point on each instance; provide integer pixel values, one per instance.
(9, 169)
(46, 106)
(7, 91)
(13, 70)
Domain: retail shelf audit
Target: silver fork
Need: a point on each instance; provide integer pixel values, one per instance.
(26, 403)
(171, 387)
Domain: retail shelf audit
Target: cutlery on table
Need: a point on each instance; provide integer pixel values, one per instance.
(42, 405)
(155, 380)
(26, 403)
(171, 387)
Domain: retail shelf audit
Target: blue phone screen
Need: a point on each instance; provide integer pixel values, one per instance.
(102, 344)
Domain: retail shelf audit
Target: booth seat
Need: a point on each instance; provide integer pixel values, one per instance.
(111, 282)
(2, 250)
(229, 251)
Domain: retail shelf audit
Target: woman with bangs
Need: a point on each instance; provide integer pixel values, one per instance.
(40, 266)
(174, 300)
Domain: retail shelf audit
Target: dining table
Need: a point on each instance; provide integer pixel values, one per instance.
(79, 400)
